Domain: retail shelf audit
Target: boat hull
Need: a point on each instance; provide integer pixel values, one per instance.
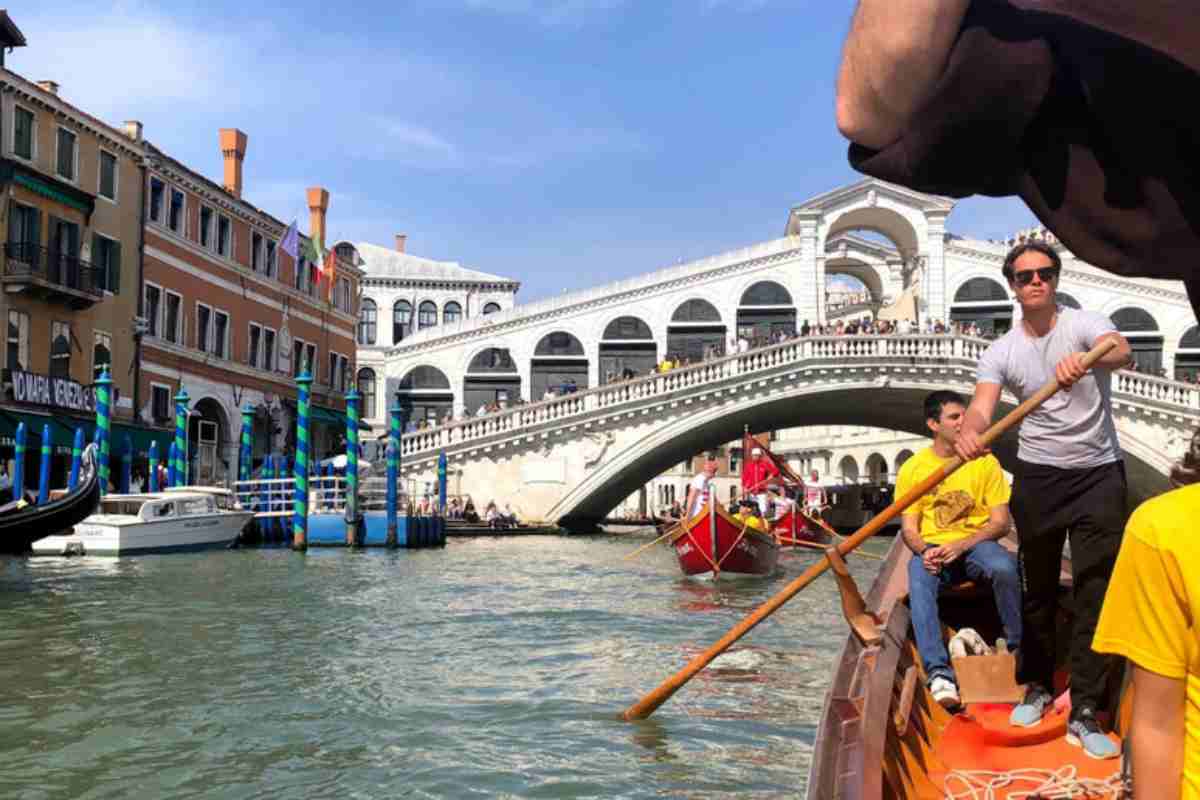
(22, 527)
(202, 532)
(735, 551)
(792, 528)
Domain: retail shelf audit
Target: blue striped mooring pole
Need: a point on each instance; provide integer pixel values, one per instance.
(152, 463)
(300, 497)
(126, 464)
(244, 455)
(19, 466)
(44, 472)
(103, 423)
(76, 459)
(172, 465)
(352, 398)
(181, 453)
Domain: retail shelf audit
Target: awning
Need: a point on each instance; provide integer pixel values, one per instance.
(140, 439)
(329, 416)
(62, 433)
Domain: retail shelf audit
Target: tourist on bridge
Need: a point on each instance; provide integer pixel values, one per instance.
(1069, 481)
(952, 533)
(701, 485)
(757, 473)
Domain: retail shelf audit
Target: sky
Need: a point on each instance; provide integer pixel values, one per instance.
(562, 143)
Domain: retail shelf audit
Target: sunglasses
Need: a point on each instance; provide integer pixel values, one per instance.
(1025, 277)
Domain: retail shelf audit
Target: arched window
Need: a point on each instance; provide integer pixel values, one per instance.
(366, 387)
(491, 308)
(766, 293)
(426, 315)
(401, 320)
(451, 312)
(424, 377)
(696, 311)
(60, 350)
(1191, 339)
(559, 343)
(1134, 320)
(1066, 300)
(493, 359)
(981, 290)
(627, 328)
(367, 321)
(1139, 327)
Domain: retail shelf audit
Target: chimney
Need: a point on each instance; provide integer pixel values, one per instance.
(318, 204)
(233, 148)
(133, 129)
(49, 86)
(400, 239)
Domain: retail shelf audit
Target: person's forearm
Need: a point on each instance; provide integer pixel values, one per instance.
(975, 420)
(912, 538)
(1119, 357)
(1157, 735)
(894, 54)
(991, 531)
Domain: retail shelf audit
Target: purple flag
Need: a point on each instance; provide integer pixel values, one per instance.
(290, 243)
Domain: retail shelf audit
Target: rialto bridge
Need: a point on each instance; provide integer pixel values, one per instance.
(577, 456)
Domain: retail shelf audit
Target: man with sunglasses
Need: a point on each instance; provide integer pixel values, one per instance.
(1069, 480)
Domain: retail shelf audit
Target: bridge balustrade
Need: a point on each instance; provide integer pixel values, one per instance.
(837, 350)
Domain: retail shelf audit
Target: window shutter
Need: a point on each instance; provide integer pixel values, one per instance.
(97, 252)
(114, 268)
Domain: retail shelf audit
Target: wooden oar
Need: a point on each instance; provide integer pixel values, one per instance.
(647, 705)
(837, 537)
(815, 546)
(647, 546)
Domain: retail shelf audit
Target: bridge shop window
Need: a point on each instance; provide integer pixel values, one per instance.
(1140, 328)
(424, 394)
(627, 350)
(427, 315)
(1066, 300)
(491, 308)
(491, 378)
(452, 312)
(559, 366)
(1187, 357)
(367, 316)
(984, 302)
(401, 320)
(696, 332)
(766, 310)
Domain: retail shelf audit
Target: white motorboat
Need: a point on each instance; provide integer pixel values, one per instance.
(181, 519)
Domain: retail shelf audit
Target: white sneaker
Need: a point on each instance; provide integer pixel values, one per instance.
(968, 642)
(945, 692)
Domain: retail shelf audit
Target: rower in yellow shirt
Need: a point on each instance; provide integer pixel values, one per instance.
(1151, 615)
(748, 515)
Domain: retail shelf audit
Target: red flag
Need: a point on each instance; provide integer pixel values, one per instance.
(328, 271)
(756, 475)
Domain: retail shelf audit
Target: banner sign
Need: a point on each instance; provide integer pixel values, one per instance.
(43, 390)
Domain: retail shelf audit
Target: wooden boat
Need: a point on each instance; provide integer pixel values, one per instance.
(882, 735)
(794, 527)
(713, 542)
(22, 523)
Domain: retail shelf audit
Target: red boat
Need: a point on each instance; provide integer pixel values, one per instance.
(713, 542)
(794, 527)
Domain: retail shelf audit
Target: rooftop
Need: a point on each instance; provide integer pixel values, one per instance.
(385, 262)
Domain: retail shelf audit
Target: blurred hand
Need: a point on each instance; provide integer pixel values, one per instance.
(947, 554)
(931, 564)
(968, 445)
(1069, 370)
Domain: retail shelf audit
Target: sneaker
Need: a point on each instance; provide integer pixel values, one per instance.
(944, 691)
(1031, 709)
(1083, 731)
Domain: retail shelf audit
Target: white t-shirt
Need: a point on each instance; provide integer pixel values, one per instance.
(813, 492)
(700, 483)
(1073, 429)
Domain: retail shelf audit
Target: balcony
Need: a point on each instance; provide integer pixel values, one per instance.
(51, 276)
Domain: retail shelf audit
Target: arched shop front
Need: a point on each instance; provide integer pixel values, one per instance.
(424, 393)
(766, 308)
(695, 328)
(491, 377)
(559, 364)
(1187, 357)
(984, 302)
(627, 349)
(1144, 337)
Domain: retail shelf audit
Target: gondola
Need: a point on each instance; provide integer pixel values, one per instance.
(795, 529)
(715, 543)
(23, 523)
(882, 735)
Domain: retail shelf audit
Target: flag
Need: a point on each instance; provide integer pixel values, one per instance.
(328, 270)
(290, 243)
(781, 467)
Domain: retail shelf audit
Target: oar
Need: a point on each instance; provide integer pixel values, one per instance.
(820, 522)
(647, 546)
(647, 705)
(815, 546)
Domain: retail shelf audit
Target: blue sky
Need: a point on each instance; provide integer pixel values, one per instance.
(563, 143)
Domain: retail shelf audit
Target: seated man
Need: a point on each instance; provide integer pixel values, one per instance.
(952, 532)
(748, 515)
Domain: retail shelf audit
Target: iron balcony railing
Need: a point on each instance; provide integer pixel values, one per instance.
(26, 260)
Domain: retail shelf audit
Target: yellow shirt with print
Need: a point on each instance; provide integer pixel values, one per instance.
(1151, 612)
(958, 506)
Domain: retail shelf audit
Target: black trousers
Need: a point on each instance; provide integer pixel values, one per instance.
(1048, 505)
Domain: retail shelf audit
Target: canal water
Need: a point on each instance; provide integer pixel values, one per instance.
(492, 668)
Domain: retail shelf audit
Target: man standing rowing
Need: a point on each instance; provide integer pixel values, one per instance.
(1069, 480)
(699, 488)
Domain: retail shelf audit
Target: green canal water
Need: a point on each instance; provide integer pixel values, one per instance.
(492, 668)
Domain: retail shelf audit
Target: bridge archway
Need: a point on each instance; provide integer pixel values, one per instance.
(877, 468)
(766, 308)
(559, 361)
(901, 457)
(1141, 329)
(491, 377)
(985, 302)
(847, 470)
(424, 394)
(695, 328)
(627, 349)
(1066, 300)
(1187, 357)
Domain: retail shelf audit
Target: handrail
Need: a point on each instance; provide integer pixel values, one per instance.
(26, 259)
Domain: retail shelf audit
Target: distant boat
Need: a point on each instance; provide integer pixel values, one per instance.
(22, 523)
(713, 542)
(179, 519)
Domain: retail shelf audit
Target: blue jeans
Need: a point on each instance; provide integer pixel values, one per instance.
(985, 560)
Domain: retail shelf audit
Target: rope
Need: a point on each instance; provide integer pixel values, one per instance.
(1043, 784)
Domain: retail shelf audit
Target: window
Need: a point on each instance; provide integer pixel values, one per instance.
(301, 272)
(256, 252)
(175, 213)
(101, 354)
(272, 259)
(366, 386)
(173, 318)
(297, 357)
(491, 308)
(67, 154)
(255, 343)
(452, 312)
(151, 306)
(160, 402)
(223, 233)
(268, 359)
(367, 314)
(220, 333)
(333, 370)
(203, 327)
(206, 222)
(23, 136)
(108, 175)
(18, 340)
(310, 358)
(60, 350)
(401, 319)
(427, 315)
(343, 294)
(106, 258)
(157, 192)
(23, 228)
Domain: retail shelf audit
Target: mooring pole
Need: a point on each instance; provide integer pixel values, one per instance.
(103, 423)
(76, 459)
(18, 488)
(181, 443)
(352, 398)
(126, 464)
(152, 467)
(300, 497)
(172, 466)
(393, 464)
(244, 455)
(44, 472)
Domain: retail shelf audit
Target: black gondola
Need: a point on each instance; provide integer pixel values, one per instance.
(23, 523)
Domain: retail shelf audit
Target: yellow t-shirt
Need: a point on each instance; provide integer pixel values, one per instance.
(958, 506)
(1151, 612)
